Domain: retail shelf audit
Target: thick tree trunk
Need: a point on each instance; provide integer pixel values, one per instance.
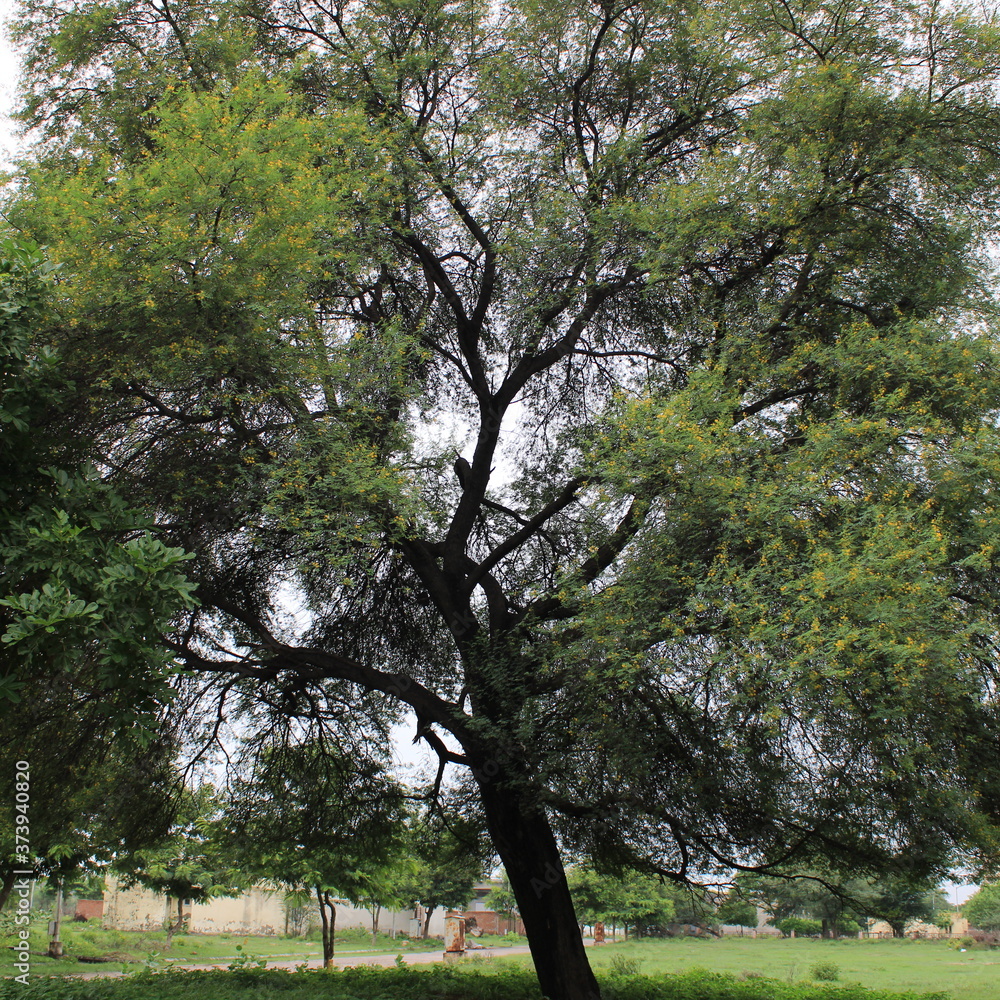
(427, 921)
(9, 878)
(524, 840)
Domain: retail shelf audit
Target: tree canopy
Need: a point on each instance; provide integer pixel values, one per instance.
(307, 816)
(982, 910)
(612, 385)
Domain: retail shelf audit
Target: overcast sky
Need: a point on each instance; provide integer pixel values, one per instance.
(8, 80)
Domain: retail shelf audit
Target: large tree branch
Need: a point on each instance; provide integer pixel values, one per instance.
(549, 608)
(530, 527)
(319, 664)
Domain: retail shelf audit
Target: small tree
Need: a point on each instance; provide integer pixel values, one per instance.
(898, 901)
(501, 899)
(736, 911)
(450, 853)
(189, 864)
(305, 815)
(983, 909)
(642, 902)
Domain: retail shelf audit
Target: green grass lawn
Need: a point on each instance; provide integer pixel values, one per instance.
(921, 966)
(89, 941)
(918, 966)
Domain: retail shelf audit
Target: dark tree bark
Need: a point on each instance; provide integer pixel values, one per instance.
(527, 846)
(328, 917)
(9, 877)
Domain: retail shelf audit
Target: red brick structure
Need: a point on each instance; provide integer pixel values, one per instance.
(89, 909)
(490, 922)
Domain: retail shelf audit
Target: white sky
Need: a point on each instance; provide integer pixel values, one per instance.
(8, 80)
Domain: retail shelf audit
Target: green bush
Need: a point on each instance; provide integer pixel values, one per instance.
(825, 971)
(799, 926)
(622, 966)
(420, 983)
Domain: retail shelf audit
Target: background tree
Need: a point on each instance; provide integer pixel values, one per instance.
(841, 904)
(595, 896)
(306, 816)
(819, 897)
(385, 886)
(899, 901)
(982, 910)
(643, 904)
(451, 856)
(189, 865)
(503, 900)
(737, 911)
(607, 384)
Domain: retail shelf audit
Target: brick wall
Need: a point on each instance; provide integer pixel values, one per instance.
(490, 922)
(90, 909)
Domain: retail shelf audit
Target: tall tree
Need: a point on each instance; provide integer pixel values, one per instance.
(608, 383)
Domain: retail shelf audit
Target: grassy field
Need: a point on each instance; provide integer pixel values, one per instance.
(921, 966)
(89, 941)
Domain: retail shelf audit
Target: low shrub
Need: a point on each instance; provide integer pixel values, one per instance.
(622, 966)
(827, 972)
(421, 983)
(799, 926)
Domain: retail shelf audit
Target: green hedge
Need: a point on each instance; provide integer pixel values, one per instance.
(421, 983)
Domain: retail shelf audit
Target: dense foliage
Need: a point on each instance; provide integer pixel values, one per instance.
(611, 385)
(983, 909)
(86, 589)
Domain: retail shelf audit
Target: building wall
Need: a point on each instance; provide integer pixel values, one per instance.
(919, 929)
(490, 922)
(89, 909)
(134, 909)
(257, 911)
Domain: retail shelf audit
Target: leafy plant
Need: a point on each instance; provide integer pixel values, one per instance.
(825, 971)
(246, 960)
(622, 965)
